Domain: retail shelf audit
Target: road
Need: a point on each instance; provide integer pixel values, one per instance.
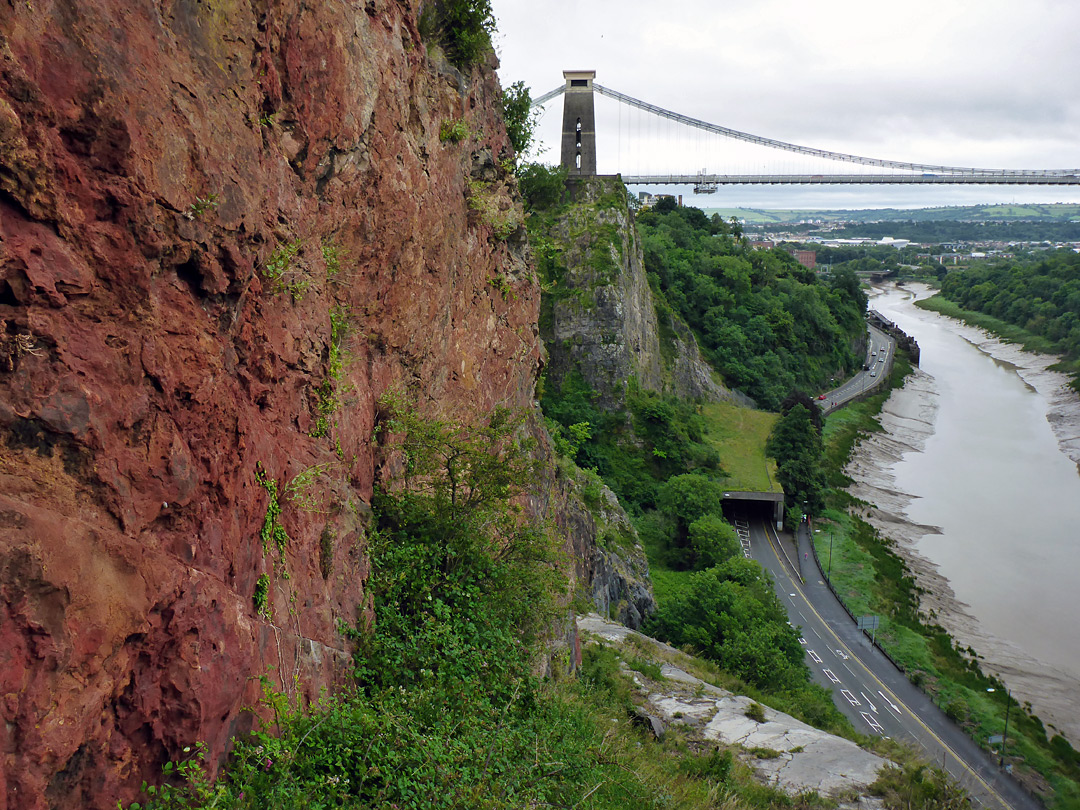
(880, 351)
(867, 687)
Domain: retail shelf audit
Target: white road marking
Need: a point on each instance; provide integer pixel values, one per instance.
(854, 701)
(842, 654)
(831, 676)
(873, 708)
(874, 724)
(814, 656)
(892, 705)
(802, 641)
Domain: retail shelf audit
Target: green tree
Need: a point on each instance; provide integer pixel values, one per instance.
(712, 541)
(519, 117)
(796, 445)
(731, 615)
(686, 499)
(542, 187)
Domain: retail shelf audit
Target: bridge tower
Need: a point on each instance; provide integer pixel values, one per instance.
(579, 123)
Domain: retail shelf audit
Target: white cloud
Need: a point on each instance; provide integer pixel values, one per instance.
(967, 82)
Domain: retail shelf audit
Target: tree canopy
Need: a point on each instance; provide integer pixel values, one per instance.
(764, 321)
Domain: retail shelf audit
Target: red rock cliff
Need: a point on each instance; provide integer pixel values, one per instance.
(190, 193)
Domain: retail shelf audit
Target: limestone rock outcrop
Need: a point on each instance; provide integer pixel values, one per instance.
(799, 758)
(600, 316)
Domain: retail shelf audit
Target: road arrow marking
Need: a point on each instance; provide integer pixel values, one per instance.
(892, 705)
(873, 708)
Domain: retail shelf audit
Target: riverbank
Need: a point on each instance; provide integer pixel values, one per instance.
(908, 420)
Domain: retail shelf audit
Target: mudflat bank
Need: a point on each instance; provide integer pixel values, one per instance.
(909, 419)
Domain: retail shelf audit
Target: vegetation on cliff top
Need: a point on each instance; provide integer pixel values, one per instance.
(763, 320)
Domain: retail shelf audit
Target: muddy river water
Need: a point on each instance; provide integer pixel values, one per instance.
(976, 476)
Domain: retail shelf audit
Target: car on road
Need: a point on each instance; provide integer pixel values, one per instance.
(873, 373)
(821, 396)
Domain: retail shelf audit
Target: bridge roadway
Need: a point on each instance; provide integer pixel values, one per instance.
(868, 688)
(978, 178)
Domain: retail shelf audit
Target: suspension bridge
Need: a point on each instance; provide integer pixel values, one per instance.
(579, 151)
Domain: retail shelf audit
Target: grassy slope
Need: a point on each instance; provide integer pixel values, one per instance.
(739, 435)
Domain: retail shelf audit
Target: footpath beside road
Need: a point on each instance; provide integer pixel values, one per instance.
(868, 687)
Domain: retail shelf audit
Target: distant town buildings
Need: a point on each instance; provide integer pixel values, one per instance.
(648, 200)
(887, 240)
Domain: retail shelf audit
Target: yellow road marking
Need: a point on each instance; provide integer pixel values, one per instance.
(899, 702)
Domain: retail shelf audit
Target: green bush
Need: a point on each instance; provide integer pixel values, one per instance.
(542, 187)
(756, 712)
(453, 130)
(463, 29)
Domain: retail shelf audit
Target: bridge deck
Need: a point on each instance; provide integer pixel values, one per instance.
(832, 179)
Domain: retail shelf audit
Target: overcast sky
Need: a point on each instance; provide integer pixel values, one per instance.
(985, 83)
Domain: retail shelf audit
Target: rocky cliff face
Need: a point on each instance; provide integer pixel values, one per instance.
(608, 566)
(225, 230)
(601, 319)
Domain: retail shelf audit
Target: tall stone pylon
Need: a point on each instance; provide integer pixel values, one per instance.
(579, 123)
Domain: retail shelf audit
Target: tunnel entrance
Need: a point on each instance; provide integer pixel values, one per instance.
(751, 506)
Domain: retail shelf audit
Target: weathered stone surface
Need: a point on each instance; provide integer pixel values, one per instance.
(801, 758)
(156, 160)
(607, 561)
(603, 320)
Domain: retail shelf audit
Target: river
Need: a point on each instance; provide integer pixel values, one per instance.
(977, 477)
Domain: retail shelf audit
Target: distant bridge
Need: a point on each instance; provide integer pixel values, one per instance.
(578, 151)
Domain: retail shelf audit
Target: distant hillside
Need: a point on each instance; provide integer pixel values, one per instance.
(1051, 212)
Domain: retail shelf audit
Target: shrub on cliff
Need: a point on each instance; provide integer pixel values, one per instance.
(463, 29)
(542, 187)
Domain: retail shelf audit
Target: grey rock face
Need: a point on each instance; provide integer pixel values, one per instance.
(602, 316)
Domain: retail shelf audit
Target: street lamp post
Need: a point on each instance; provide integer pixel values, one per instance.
(1005, 736)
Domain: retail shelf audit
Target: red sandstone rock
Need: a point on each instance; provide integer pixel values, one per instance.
(153, 157)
